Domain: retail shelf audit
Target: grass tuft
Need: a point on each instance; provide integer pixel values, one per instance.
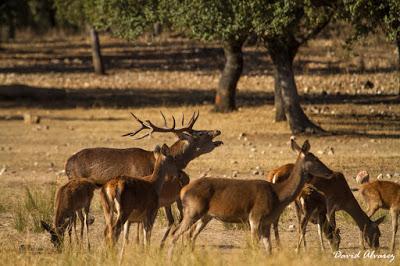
(37, 205)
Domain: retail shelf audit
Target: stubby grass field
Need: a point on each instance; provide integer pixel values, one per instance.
(178, 76)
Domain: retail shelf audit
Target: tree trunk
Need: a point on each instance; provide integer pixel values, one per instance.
(282, 55)
(225, 99)
(96, 53)
(398, 62)
(11, 31)
(278, 101)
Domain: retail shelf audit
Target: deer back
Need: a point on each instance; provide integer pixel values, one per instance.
(73, 196)
(385, 193)
(280, 174)
(101, 164)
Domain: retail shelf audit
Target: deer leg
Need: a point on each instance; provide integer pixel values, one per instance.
(362, 244)
(394, 214)
(138, 228)
(86, 224)
(117, 227)
(69, 229)
(320, 224)
(188, 220)
(266, 237)
(303, 228)
(276, 231)
(170, 218)
(254, 229)
(148, 226)
(180, 209)
(298, 215)
(126, 232)
(200, 225)
(81, 219)
(124, 240)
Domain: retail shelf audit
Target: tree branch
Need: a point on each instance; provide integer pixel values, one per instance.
(318, 28)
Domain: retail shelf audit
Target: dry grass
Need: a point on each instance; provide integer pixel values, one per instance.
(35, 154)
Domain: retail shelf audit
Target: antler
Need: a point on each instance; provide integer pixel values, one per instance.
(153, 128)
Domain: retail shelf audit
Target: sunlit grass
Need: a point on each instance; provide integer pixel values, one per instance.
(135, 255)
(35, 206)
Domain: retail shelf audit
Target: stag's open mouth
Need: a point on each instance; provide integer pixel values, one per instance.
(217, 143)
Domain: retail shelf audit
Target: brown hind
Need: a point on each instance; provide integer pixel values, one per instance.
(135, 199)
(386, 195)
(260, 202)
(71, 199)
(310, 204)
(339, 197)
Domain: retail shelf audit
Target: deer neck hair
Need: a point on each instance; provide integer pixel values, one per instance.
(183, 152)
(158, 176)
(289, 189)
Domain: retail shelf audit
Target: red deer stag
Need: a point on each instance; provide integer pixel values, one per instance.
(386, 195)
(260, 202)
(135, 199)
(71, 199)
(101, 164)
(339, 197)
(309, 205)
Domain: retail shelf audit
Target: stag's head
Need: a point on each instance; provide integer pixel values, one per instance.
(311, 163)
(191, 143)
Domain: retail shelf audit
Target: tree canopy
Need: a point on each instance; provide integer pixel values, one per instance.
(369, 15)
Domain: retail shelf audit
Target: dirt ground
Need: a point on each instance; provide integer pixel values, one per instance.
(79, 110)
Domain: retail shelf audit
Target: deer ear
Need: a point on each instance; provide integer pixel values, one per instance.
(46, 226)
(306, 146)
(379, 220)
(295, 147)
(157, 149)
(184, 136)
(165, 150)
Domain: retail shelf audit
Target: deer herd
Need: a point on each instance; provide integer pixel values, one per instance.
(134, 183)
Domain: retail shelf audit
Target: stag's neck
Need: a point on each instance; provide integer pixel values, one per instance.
(158, 178)
(182, 153)
(288, 190)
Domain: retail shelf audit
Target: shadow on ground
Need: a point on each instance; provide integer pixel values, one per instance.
(18, 95)
(163, 56)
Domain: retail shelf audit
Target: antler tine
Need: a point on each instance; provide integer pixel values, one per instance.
(143, 126)
(190, 121)
(165, 121)
(142, 137)
(173, 122)
(193, 120)
(183, 119)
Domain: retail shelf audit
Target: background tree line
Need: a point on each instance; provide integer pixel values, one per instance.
(281, 26)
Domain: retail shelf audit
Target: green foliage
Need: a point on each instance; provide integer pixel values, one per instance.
(37, 14)
(127, 19)
(234, 19)
(77, 13)
(301, 20)
(210, 20)
(367, 16)
(37, 205)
